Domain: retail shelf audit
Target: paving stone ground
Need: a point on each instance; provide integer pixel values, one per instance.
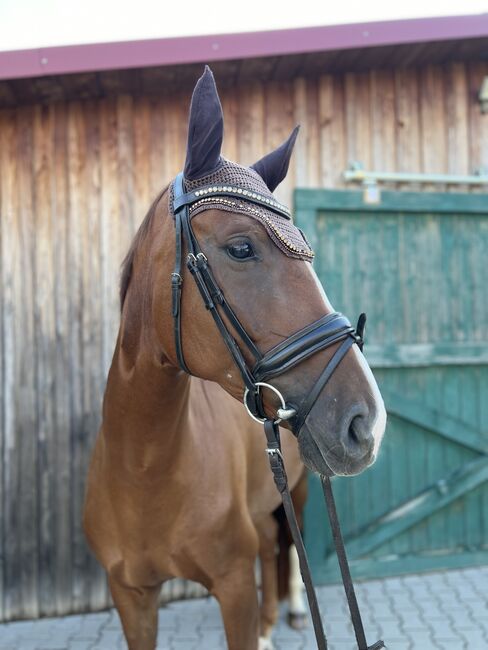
(437, 611)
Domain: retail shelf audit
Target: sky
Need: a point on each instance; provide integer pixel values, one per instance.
(26, 24)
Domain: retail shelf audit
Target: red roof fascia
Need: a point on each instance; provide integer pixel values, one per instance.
(193, 49)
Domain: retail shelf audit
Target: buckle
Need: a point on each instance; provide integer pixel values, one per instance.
(274, 452)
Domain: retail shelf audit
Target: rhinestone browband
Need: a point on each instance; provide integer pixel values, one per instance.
(232, 204)
(212, 191)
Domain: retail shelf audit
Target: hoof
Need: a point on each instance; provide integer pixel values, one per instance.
(297, 620)
(265, 643)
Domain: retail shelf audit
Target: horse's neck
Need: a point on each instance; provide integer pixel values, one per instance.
(145, 412)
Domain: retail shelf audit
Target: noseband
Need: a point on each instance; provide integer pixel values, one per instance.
(323, 333)
(320, 335)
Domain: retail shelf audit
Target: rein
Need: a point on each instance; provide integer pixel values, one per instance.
(323, 333)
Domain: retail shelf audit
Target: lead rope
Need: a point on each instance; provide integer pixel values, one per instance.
(279, 474)
(345, 571)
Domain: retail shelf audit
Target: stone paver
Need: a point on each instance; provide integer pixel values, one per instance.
(437, 611)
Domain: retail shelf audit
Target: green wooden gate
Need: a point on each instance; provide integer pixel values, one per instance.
(417, 264)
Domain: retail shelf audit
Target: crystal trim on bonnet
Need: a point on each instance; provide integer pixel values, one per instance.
(216, 199)
(239, 190)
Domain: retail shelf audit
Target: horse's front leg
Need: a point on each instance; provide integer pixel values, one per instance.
(268, 534)
(237, 595)
(138, 611)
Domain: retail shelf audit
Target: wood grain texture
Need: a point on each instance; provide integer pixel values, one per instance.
(77, 177)
(426, 495)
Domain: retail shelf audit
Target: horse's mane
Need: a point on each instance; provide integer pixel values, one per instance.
(127, 264)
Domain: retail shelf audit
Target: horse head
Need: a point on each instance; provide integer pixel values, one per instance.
(260, 266)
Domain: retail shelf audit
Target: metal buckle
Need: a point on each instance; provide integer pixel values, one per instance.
(275, 452)
(283, 413)
(193, 260)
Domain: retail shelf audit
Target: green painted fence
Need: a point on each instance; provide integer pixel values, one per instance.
(417, 264)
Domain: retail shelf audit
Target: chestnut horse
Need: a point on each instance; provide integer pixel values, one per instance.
(179, 483)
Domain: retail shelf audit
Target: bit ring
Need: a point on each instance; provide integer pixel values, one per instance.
(283, 412)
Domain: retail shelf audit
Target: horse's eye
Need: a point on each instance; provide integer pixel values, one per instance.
(241, 250)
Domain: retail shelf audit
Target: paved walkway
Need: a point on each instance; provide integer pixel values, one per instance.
(437, 611)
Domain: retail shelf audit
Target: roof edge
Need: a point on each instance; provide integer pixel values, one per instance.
(72, 59)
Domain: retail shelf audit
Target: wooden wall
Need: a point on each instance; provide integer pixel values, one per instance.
(75, 181)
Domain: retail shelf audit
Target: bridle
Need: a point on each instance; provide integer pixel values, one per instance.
(334, 328)
(298, 347)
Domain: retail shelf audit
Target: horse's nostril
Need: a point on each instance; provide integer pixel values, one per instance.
(352, 432)
(359, 438)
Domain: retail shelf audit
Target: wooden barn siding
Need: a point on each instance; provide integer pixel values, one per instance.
(75, 181)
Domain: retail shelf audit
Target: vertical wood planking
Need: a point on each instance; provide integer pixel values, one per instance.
(306, 157)
(45, 347)
(110, 259)
(477, 121)
(327, 128)
(26, 398)
(124, 224)
(92, 337)
(312, 178)
(332, 130)
(251, 144)
(230, 106)
(456, 103)
(77, 214)
(358, 119)
(175, 134)
(407, 122)
(62, 386)
(10, 600)
(433, 136)
(302, 155)
(474, 500)
(141, 157)
(279, 101)
(382, 103)
(163, 140)
(3, 119)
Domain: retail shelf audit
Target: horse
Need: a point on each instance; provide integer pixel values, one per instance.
(179, 483)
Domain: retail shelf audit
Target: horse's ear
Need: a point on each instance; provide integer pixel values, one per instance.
(205, 129)
(274, 166)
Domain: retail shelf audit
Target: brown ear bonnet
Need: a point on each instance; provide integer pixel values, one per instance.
(206, 170)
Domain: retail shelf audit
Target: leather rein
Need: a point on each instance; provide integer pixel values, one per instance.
(319, 335)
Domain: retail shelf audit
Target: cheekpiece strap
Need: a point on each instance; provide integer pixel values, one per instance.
(177, 277)
(212, 296)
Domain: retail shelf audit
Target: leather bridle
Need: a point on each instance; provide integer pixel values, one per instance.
(334, 328)
(323, 333)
